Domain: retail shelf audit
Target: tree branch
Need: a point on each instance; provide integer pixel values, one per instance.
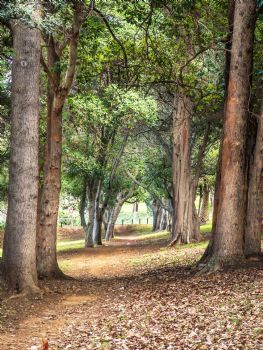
(138, 183)
(103, 17)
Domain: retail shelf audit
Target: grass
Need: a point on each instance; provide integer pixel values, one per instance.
(146, 236)
(65, 264)
(141, 232)
(206, 228)
(64, 246)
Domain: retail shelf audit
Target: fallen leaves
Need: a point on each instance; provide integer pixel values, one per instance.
(160, 305)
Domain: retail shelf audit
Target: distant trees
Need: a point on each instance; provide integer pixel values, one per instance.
(107, 119)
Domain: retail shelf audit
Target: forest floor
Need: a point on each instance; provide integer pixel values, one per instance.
(135, 293)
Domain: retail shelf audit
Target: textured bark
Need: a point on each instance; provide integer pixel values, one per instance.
(254, 227)
(82, 208)
(163, 225)
(157, 215)
(182, 181)
(204, 213)
(230, 221)
(19, 251)
(91, 194)
(228, 46)
(97, 218)
(112, 221)
(47, 265)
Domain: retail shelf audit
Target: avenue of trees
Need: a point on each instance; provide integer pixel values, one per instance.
(116, 101)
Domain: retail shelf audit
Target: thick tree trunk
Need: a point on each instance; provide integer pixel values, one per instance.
(47, 265)
(254, 227)
(19, 251)
(183, 223)
(230, 222)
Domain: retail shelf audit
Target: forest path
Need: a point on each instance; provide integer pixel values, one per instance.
(26, 321)
(136, 293)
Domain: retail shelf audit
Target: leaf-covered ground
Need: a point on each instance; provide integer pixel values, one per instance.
(138, 294)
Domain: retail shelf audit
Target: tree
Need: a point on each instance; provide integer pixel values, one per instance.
(107, 117)
(182, 184)
(227, 245)
(59, 86)
(19, 250)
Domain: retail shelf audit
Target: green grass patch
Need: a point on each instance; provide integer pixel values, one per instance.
(65, 265)
(143, 236)
(206, 228)
(63, 246)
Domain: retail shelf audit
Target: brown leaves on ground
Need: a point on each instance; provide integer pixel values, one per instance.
(147, 297)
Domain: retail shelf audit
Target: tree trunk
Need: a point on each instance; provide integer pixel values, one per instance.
(200, 199)
(157, 212)
(47, 265)
(59, 89)
(182, 182)
(97, 218)
(163, 225)
(204, 213)
(254, 227)
(121, 199)
(91, 209)
(82, 208)
(112, 221)
(113, 218)
(19, 251)
(230, 222)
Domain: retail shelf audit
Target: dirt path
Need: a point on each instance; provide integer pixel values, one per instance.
(94, 273)
(139, 295)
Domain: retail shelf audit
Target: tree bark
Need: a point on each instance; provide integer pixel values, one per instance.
(230, 221)
(49, 203)
(120, 200)
(163, 225)
(204, 213)
(157, 215)
(181, 168)
(112, 221)
(97, 218)
(254, 227)
(19, 251)
(91, 194)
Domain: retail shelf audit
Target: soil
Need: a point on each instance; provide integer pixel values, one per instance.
(136, 294)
